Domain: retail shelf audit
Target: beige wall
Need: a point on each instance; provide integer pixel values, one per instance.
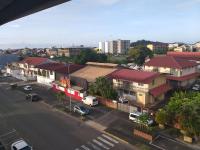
(142, 90)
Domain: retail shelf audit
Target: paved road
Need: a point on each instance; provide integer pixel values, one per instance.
(45, 129)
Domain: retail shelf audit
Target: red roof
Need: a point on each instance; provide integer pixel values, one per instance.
(183, 78)
(186, 55)
(60, 67)
(134, 75)
(170, 62)
(34, 60)
(160, 90)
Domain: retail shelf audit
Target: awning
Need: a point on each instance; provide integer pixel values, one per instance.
(160, 90)
(183, 78)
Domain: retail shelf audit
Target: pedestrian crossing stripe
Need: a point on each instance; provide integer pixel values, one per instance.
(111, 139)
(84, 147)
(103, 142)
(94, 146)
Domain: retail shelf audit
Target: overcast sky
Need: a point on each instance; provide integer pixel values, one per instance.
(89, 21)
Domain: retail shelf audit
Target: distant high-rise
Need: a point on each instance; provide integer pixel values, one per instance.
(115, 47)
(123, 46)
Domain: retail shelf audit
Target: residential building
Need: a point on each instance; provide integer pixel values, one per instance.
(107, 45)
(180, 73)
(191, 56)
(123, 46)
(71, 51)
(141, 88)
(51, 72)
(171, 46)
(102, 47)
(181, 48)
(90, 72)
(155, 47)
(115, 46)
(26, 69)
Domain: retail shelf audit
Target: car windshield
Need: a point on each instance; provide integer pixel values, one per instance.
(26, 148)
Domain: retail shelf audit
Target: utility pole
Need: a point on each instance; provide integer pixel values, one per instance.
(70, 98)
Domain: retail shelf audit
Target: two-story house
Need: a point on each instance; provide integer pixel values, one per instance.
(26, 69)
(142, 88)
(180, 73)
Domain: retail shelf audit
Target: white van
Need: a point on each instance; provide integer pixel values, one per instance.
(90, 100)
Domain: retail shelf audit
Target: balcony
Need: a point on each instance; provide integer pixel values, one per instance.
(130, 87)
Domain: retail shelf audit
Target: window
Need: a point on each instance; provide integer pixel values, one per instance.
(140, 84)
(153, 82)
(51, 72)
(140, 94)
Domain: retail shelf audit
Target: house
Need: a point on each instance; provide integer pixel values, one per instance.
(191, 56)
(158, 47)
(92, 71)
(141, 88)
(57, 75)
(26, 69)
(53, 71)
(180, 73)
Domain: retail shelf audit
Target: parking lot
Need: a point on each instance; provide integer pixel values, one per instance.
(49, 97)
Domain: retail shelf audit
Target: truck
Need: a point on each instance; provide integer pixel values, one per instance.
(90, 100)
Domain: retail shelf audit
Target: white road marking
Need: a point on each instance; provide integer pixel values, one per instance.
(84, 147)
(77, 149)
(111, 139)
(13, 131)
(105, 141)
(94, 146)
(100, 144)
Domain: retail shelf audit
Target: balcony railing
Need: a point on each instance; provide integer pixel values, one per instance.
(130, 87)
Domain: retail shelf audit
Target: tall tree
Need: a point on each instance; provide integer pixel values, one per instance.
(103, 87)
(139, 54)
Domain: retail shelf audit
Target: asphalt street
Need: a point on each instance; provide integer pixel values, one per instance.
(46, 129)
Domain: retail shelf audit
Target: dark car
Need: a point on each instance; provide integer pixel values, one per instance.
(81, 110)
(32, 97)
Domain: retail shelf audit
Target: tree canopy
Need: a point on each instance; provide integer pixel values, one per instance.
(139, 54)
(103, 87)
(89, 55)
(184, 109)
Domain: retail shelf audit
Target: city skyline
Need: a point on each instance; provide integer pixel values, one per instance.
(86, 22)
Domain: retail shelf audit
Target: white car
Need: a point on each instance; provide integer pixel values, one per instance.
(20, 145)
(123, 100)
(28, 88)
(90, 100)
(196, 87)
(135, 115)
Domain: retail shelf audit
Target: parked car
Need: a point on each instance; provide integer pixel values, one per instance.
(196, 87)
(33, 97)
(123, 100)
(28, 88)
(134, 116)
(21, 145)
(90, 100)
(81, 110)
